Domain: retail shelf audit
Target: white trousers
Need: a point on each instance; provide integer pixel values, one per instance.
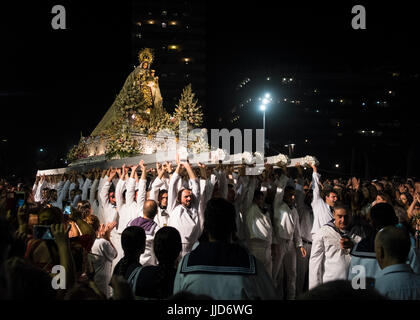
(262, 251)
(302, 269)
(116, 241)
(284, 267)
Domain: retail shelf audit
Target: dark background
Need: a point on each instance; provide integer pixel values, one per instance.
(57, 84)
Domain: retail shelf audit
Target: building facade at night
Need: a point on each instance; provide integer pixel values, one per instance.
(176, 30)
(355, 122)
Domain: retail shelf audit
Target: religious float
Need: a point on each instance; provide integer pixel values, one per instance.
(138, 127)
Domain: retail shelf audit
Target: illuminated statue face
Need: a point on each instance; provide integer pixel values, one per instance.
(145, 65)
(151, 84)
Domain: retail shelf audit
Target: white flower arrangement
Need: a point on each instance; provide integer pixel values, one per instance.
(282, 159)
(310, 160)
(183, 153)
(259, 157)
(219, 155)
(122, 145)
(200, 146)
(247, 157)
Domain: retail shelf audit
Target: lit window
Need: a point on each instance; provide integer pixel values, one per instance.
(390, 92)
(186, 60)
(150, 21)
(338, 124)
(332, 100)
(163, 25)
(139, 23)
(138, 35)
(173, 47)
(268, 78)
(291, 79)
(285, 99)
(363, 103)
(164, 13)
(173, 23)
(341, 100)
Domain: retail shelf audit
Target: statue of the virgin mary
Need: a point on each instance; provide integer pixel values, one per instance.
(140, 94)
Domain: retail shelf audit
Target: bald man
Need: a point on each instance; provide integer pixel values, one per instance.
(150, 209)
(397, 281)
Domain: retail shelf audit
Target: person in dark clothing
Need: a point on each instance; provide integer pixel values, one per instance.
(133, 241)
(157, 282)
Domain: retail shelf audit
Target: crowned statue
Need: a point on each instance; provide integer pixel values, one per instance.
(138, 100)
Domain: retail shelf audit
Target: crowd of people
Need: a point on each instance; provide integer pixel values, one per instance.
(212, 232)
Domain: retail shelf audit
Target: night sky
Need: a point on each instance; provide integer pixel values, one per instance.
(57, 84)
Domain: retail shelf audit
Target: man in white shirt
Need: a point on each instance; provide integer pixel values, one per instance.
(259, 231)
(306, 220)
(396, 281)
(286, 239)
(110, 212)
(183, 208)
(159, 193)
(331, 245)
(322, 207)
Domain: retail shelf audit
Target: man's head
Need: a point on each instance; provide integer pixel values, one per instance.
(163, 198)
(330, 197)
(289, 195)
(219, 219)
(185, 197)
(342, 216)
(259, 198)
(392, 245)
(53, 195)
(133, 240)
(49, 216)
(309, 195)
(150, 209)
(72, 194)
(111, 196)
(167, 245)
(383, 197)
(382, 215)
(231, 193)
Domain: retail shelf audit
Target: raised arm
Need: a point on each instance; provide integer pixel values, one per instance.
(280, 184)
(93, 190)
(103, 192)
(131, 186)
(63, 192)
(119, 199)
(315, 185)
(141, 193)
(157, 183)
(86, 185)
(173, 190)
(195, 186)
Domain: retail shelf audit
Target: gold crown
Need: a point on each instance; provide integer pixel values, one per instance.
(146, 55)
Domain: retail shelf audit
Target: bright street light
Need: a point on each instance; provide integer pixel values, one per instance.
(267, 95)
(265, 101)
(263, 107)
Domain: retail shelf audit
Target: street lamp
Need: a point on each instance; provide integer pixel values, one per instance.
(265, 101)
